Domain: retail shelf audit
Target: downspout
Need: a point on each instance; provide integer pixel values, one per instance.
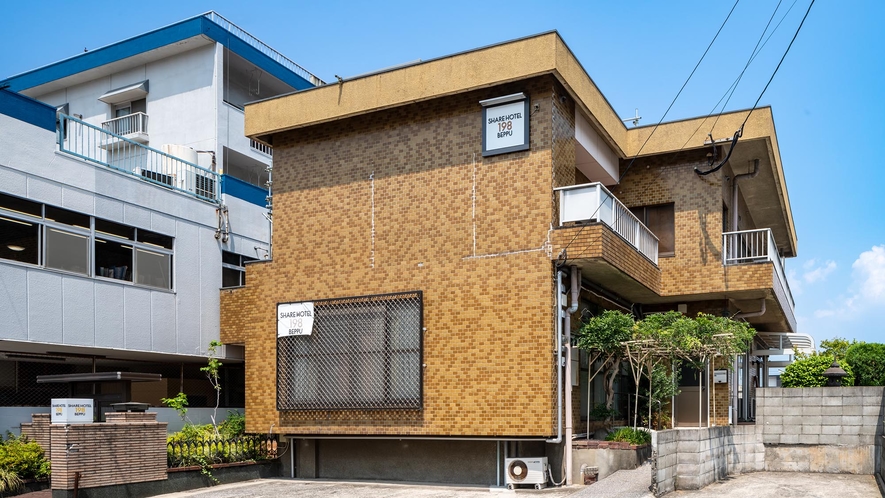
(559, 317)
(576, 292)
(734, 193)
(741, 410)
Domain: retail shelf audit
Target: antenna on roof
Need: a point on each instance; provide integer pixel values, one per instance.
(635, 118)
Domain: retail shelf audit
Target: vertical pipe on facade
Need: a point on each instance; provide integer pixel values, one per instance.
(575, 295)
(734, 193)
(559, 317)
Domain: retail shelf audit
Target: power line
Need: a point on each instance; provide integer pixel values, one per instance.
(565, 249)
(680, 91)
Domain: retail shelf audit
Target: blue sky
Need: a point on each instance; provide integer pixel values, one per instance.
(827, 97)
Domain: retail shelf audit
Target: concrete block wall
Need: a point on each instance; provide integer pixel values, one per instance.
(821, 429)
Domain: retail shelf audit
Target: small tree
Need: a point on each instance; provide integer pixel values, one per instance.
(807, 371)
(602, 337)
(836, 347)
(212, 373)
(867, 361)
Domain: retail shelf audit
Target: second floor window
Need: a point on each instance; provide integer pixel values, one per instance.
(661, 220)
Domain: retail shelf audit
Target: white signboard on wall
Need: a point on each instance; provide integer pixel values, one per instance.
(294, 319)
(505, 124)
(71, 411)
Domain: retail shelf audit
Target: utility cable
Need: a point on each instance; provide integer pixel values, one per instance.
(740, 130)
(735, 82)
(565, 249)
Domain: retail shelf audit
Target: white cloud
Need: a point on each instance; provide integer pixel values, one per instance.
(869, 272)
(819, 273)
(866, 290)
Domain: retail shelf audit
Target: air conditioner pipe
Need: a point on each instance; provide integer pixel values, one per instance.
(751, 314)
(734, 193)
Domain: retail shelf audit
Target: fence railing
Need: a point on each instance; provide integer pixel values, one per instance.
(133, 123)
(260, 147)
(100, 146)
(593, 202)
(754, 246)
(263, 48)
(185, 453)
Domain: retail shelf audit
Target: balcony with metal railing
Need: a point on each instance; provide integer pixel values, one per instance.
(121, 153)
(592, 202)
(132, 126)
(755, 246)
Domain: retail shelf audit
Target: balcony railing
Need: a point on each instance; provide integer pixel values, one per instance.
(754, 246)
(260, 147)
(126, 125)
(100, 146)
(593, 202)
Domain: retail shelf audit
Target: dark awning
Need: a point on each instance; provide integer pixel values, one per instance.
(100, 377)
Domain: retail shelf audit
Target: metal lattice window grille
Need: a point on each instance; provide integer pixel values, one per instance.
(363, 353)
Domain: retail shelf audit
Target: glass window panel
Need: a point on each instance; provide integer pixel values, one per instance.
(230, 277)
(230, 258)
(153, 269)
(20, 205)
(116, 229)
(19, 241)
(154, 238)
(67, 217)
(67, 251)
(113, 260)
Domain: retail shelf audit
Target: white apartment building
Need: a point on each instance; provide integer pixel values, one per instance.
(129, 196)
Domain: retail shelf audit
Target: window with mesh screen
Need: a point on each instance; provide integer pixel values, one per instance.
(362, 353)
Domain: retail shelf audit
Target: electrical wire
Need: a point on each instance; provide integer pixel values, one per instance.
(565, 249)
(735, 82)
(680, 91)
(787, 51)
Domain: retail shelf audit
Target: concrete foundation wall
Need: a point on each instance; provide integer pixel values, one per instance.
(607, 460)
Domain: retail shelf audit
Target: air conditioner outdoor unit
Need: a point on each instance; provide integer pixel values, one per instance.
(526, 471)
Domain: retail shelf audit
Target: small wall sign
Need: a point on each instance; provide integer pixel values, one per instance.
(505, 124)
(720, 376)
(71, 411)
(295, 319)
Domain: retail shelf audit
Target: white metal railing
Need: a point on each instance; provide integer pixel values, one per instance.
(98, 145)
(260, 147)
(262, 47)
(593, 202)
(754, 246)
(136, 122)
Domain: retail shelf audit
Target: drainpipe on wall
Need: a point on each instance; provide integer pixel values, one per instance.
(576, 292)
(734, 193)
(559, 317)
(745, 360)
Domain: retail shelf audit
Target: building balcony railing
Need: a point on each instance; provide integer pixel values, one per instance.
(260, 147)
(115, 151)
(134, 126)
(755, 246)
(592, 202)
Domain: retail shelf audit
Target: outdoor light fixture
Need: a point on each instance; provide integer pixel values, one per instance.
(15, 248)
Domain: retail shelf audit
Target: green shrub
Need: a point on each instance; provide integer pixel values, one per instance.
(630, 435)
(10, 482)
(24, 458)
(807, 371)
(601, 412)
(234, 425)
(867, 360)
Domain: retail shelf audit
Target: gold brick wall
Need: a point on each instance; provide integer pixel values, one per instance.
(472, 233)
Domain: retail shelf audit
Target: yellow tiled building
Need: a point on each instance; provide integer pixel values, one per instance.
(422, 216)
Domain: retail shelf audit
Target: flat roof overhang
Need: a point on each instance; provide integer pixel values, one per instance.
(516, 60)
(34, 351)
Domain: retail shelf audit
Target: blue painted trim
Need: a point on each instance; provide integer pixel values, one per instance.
(26, 109)
(243, 190)
(153, 40)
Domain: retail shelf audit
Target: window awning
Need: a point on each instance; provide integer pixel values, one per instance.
(126, 94)
(783, 343)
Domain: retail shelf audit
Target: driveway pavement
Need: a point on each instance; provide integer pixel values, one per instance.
(624, 484)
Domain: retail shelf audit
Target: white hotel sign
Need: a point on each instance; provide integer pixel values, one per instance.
(295, 319)
(505, 124)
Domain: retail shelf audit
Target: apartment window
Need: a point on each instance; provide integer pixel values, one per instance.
(233, 269)
(363, 353)
(661, 220)
(64, 240)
